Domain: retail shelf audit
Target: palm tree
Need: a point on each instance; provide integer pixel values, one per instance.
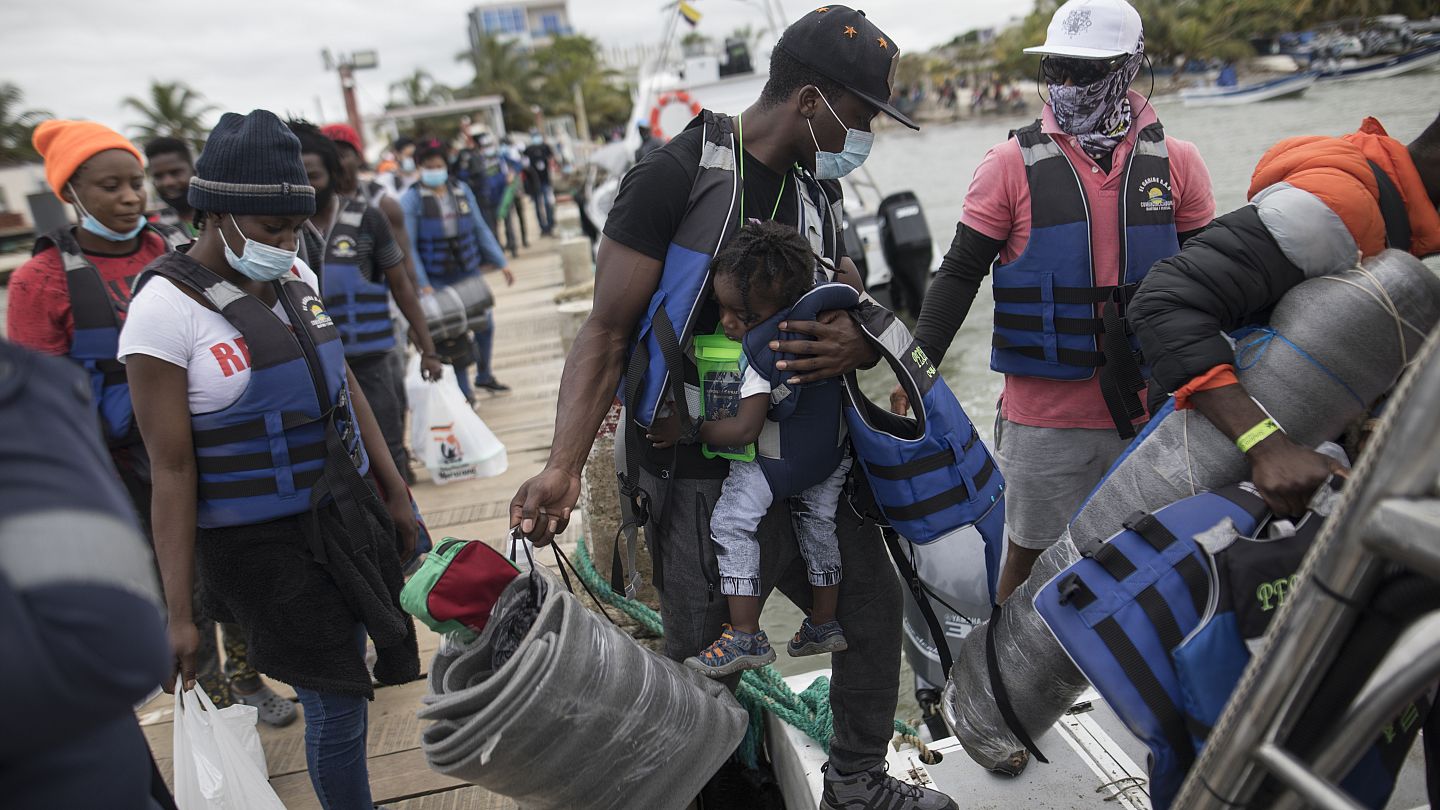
(17, 126)
(174, 109)
(418, 90)
(570, 71)
(502, 69)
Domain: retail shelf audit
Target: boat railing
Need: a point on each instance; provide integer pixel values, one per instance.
(1389, 514)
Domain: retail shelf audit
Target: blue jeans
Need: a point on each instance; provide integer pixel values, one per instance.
(335, 730)
(545, 207)
(485, 350)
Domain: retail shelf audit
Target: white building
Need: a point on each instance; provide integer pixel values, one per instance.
(532, 23)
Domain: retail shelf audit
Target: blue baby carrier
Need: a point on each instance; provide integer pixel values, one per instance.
(1162, 627)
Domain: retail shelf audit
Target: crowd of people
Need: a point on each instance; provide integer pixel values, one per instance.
(241, 350)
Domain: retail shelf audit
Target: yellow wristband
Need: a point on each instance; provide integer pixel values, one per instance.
(1257, 434)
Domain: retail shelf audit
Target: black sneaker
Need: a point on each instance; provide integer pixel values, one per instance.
(494, 386)
(877, 788)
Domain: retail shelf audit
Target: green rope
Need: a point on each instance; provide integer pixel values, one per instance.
(760, 690)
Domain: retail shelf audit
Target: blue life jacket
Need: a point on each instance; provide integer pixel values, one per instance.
(259, 458)
(358, 304)
(804, 440)
(97, 330)
(658, 367)
(1122, 610)
(929, 472)
(447, 259)
(1049, 312)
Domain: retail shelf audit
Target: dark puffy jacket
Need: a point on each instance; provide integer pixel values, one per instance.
(1228, 276)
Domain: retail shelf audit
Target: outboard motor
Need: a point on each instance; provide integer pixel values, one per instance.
(905, 240)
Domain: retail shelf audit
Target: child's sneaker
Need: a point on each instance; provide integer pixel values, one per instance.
(812, 640)
(732, 652)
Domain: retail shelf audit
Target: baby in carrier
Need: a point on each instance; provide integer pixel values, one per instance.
(758, 277)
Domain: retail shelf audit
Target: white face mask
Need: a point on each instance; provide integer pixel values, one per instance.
(258, 261)
(835, 165)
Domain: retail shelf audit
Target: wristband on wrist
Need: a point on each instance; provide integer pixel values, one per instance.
(1257, 434)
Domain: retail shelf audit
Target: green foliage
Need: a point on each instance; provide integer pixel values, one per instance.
(417, 90)
(17, 126)
(571, 61)
(173, 109)
(502, 69)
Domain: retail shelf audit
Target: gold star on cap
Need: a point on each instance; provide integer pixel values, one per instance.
(822, 9)
(851, 32)
(883, 43)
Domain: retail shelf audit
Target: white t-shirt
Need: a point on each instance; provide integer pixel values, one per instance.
(166, 323)
(752, 382)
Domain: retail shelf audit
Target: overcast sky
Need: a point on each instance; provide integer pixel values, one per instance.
(80, 58)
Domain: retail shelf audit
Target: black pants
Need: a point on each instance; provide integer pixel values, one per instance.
(382, 378)
(865, 681)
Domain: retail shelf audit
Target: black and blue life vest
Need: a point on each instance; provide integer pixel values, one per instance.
(358, 304)
(259, 458)
(930, 473)
(97, 330)
(1049, 312)
(803, 440)
(447, 259)
(659, 350)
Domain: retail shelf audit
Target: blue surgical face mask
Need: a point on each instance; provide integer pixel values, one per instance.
(434, 178)
(407, 164)
(260, 262)
(835, 165)
(95, 226)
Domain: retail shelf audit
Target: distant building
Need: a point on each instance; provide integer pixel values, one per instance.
(532, 23)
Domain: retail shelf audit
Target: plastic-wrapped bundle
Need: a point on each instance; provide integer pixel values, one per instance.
(1335, 344)
(631, 729)
(453, 310)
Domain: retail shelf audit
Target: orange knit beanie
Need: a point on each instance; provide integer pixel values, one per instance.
(65, 145)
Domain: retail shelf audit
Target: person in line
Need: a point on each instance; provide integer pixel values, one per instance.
(364, 267)
(292, 543)
(539, 160)
(515, 158)
(1077, 207)
(1317, 204)
(489, 176)
(767, 268)
(82, 629)
(829, 77)
(171, 165)
(450, 241)
(70, 300)
(648, 142)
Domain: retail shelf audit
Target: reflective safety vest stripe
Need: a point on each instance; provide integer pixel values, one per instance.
(658, 364)
(803, 440)
(447, 258)
(929, 472)
(259, 458)
(96, 340)
(1049, 312)
(358, 304)
(1122, 610)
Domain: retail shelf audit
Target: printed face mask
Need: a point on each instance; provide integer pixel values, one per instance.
(100, 229)
(260, 262)
(1099, 113)
(835, 165)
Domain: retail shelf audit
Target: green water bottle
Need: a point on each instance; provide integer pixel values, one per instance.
(718, 359)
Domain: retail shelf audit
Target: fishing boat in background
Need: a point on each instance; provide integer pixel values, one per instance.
(1381, 68)
(1223, 96)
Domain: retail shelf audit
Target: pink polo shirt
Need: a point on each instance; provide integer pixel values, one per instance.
(998, 205)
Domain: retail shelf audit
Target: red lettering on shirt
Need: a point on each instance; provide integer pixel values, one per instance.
(229, 361)
(244, 349)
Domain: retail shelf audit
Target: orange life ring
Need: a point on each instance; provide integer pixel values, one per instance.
(665, 100)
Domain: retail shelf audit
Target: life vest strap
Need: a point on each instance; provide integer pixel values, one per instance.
(360, 317)
(920, 466)
(360, 298)
(247, 462)
(1113, 560)
(1069, 357)
(1064, 326)
(951, 497)
(1392, 210)
(1064, 295)
(1133, 664)
(253, 429)
(1160, 616)
(1120, 379)
(256, 487)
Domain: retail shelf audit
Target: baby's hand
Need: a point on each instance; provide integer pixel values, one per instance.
(664, 432)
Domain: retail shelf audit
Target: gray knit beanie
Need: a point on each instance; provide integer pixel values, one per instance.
(251, 165)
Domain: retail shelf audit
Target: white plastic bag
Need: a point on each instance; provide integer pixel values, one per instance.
(219, 764)
(447, 434)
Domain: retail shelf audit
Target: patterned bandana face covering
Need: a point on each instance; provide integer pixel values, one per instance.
(1098, 114)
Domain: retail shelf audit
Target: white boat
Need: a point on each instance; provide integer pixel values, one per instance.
(1351, 70)
(1214, 96)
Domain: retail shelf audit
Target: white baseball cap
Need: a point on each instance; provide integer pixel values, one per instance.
(1092, 29)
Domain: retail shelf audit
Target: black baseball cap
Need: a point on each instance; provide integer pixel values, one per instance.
(842, 45)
